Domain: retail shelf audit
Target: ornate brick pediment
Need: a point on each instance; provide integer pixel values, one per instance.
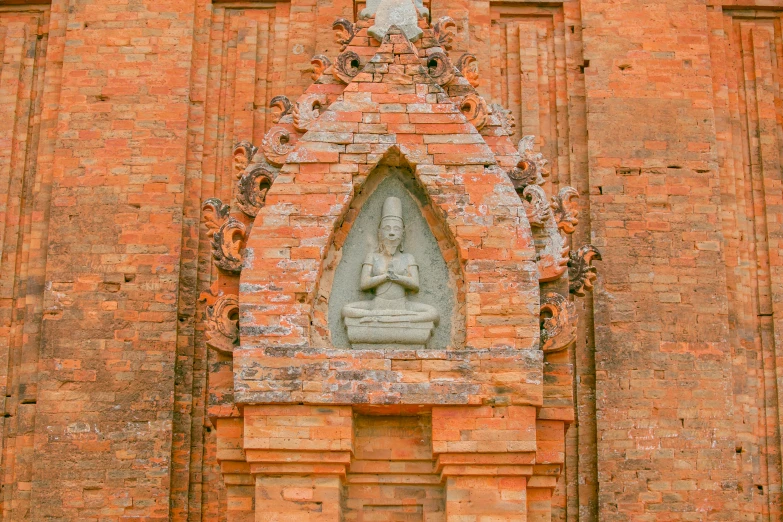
(489, 390)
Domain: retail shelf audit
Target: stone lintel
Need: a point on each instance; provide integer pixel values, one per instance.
(539, 481)
(298, 457)
(298, 469)
(388, 376)
(486, 459)
(565, 414)
(486, 471)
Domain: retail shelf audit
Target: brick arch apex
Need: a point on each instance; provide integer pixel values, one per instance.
(305, 206)
(392, 110)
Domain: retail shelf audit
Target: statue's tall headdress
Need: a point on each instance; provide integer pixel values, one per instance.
(392, 209)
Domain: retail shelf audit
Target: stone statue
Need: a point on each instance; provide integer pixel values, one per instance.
(390, 318)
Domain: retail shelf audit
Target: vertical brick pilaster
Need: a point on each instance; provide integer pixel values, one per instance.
(106, 366)
(298, 456)
(663, 363)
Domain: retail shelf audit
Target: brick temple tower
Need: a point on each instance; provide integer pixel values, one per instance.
(333, 260)
(463, 421)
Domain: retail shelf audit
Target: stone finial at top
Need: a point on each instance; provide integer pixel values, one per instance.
(402, 13)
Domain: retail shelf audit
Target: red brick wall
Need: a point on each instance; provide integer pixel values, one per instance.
(117, 120)
(112, 275)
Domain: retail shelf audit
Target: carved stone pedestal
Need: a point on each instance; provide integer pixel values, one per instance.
(409, 336)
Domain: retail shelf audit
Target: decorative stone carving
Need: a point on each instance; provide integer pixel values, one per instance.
(228, 244)
(215, 214)
(524, 175)
(505, 117)
(252, 189)
(552, 253)
(444, 30)
(526, 153)
(542, 166)
(283, 106)
(307, 109)
(558, 322)
(390, 318)
(525, 145)
(423, 11)
(277, 145)
(531, 169)
(222, 322)
(475, 109)
(581, 273)
(320, 63)
(243, 154)
(551, 247)
(403, 14)
(440, 68)
(468, 66)
(343, 31)
(538, 208)
(566, 209)
(347, 65)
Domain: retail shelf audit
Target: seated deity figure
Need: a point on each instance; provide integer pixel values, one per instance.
(390, 318)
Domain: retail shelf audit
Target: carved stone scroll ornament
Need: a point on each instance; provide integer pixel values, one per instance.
(243, 154)
(581, 273)
(252, 188)
(444, 30)
(475, 109)
(343, 31)
(566, 209)
(527, 154)
(506, 117)
(468, 66)
(215, 214)
(228, 245)
(222, 322)
(440, 68)
(307, 110)
(551, 252)
(319, 63)
(531, 169)
(346, 66)
(558, 322)
(283, 107)
(537, 206)
(277, 145)
(551, 247)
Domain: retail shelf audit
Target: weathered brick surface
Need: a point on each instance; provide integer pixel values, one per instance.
(312, 194)
(118, 120)
(275, 375)
(393, 112)
(105, 382)
(666, 436)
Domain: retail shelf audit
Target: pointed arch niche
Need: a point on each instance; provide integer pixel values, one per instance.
(426, 237)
